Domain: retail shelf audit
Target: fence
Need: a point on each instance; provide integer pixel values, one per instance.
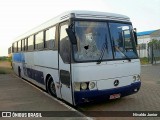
(154, 53)
(142, 50)
(150, 51)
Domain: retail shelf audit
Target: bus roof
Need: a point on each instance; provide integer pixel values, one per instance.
(76, 14)
(99, 15)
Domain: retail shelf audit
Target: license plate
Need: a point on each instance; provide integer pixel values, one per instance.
(114, 96)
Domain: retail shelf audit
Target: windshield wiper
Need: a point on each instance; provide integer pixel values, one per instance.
(124, 55)
(121, 52)
(104, 47)
(102, 53)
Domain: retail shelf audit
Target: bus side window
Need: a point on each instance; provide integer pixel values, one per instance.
(19, 46)
(50, 38)
(23, 43)
(39, 41)
(15, 47)
(30, 43)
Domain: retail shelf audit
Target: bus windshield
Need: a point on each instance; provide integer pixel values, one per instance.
(123, 40)
(93, 39)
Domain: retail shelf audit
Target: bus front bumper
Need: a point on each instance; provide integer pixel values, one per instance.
(101, 95)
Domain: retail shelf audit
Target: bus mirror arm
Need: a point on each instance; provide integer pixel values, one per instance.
(71, 36)
(135, 36)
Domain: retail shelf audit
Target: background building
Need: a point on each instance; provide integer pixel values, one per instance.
(144, 38)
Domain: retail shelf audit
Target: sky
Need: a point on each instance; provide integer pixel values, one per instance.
(20, 16)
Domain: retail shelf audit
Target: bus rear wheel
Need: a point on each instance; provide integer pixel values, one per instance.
(51, 87)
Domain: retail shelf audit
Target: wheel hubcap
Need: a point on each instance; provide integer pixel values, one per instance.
(52, 87)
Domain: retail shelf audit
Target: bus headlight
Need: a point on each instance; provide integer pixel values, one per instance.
(134, 78)
(83, 86)
(92, 85)
(77, 86)
(138, 77)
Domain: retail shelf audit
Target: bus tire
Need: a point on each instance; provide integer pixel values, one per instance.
(51, 87)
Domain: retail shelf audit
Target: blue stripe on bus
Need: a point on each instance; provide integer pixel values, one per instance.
(31, 73)
(101, 95)
(35, 75)
(18, 57)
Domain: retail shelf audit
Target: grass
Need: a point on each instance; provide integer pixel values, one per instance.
(144, 60)
(5, 67)
(4, 58)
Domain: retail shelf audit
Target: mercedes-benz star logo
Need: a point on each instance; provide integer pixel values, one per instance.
(116, 82)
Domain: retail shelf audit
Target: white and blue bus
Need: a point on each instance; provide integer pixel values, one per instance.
(80, 56)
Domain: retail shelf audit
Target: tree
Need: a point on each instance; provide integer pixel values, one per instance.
(154, 41)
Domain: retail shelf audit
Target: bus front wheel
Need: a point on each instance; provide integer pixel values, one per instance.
(51, 87)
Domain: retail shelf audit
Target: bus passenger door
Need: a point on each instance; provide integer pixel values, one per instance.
(64, 64)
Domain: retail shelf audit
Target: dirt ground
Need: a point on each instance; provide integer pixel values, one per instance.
(5, 64)
(5, 67)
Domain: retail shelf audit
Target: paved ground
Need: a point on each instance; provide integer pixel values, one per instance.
(16, 95)
(147, 99)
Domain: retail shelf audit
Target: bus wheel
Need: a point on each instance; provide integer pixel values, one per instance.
(51, 87)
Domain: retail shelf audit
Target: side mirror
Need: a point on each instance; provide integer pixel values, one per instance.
(135, 35)
(71, 36)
